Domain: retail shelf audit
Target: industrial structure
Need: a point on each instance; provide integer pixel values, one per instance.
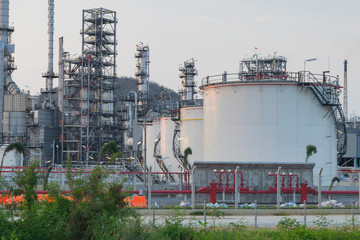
(88, 118)
(261, 114)
(267, 114)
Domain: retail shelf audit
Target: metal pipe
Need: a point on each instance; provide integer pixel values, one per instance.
(149, 188)
(345, 103)
(278, 189)
(193, 188)
(236, 187)
(319, 188)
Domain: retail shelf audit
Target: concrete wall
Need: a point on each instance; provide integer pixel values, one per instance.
(255, 177)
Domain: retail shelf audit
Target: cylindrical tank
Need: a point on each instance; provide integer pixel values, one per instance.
(152, 135)
(268, 121)
(191, 132)
(167, 127)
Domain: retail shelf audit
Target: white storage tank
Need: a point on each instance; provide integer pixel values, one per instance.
(191, 132)
(268, 121)
(167, 127)
(152, 136)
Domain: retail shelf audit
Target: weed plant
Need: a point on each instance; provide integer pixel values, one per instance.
(98, 211)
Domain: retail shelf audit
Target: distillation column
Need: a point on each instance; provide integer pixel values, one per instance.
(187, 74)
(7, 65)
(143, 74)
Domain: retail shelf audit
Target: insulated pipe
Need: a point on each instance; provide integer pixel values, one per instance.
(136, 102)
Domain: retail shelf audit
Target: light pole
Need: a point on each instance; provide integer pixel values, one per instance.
(308, 60)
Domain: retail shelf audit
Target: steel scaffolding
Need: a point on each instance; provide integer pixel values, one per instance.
(89, 118)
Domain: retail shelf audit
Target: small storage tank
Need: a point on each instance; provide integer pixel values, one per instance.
(191, 132)
(167, 127)
(152, 136)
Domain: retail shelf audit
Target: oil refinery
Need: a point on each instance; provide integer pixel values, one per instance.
(260, 119)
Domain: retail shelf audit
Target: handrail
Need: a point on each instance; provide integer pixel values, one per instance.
(300, 77)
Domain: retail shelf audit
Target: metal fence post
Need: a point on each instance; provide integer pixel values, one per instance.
(193, 187)
(319, 188)
(294, 196)
(153, 213)
(205, 213)
(278, 188)
(149, 187)
(352, 214)
(305, 213)
(255, 213)
(236, 188)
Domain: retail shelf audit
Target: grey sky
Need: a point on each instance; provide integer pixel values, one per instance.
(215, 33)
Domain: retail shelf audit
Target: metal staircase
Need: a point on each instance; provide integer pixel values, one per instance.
(132, 168)
(139, 154)
(159, 159)
(176, 147)
(328, 95)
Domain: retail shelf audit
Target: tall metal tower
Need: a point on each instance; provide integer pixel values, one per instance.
(89, 83)
(7, 65)
(188, 72)
(143, 74)
(50, 75)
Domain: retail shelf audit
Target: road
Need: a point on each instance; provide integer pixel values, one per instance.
(262, 221)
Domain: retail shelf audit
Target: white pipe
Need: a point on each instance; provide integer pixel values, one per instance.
(136, 102)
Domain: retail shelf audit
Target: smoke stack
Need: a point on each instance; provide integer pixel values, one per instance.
(345, 103)
(49, 75)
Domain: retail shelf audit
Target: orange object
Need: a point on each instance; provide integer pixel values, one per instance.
(138, 201)
(128, 201)
(17, 199)
(3, 199)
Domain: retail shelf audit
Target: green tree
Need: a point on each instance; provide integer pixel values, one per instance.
(187, 152)
(18, 147)
(110, 148)
(310, 150)
(26, 184)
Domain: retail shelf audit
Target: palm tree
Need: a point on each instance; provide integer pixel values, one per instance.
(187, 152)
(18, 147)
(310, 150)
(110, 147)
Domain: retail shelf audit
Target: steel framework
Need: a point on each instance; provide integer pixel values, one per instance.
(89, 116)
(187, 74)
